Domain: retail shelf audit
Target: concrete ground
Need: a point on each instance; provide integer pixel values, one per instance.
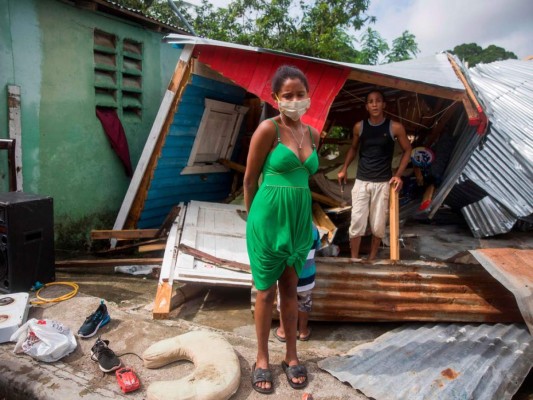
(224, 310)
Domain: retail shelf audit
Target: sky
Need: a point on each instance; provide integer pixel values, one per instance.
(440, 25)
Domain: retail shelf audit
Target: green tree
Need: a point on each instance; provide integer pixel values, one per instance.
(403, 48)
(320, 28)
(474, 54)
(373, 45)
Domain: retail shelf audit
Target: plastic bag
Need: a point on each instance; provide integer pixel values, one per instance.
(44, 339)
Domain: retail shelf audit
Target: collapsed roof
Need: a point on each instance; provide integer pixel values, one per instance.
(431, 96)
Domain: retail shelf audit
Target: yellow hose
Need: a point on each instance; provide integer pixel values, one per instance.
(69, 295)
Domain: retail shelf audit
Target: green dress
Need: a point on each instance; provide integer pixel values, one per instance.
(279, 225)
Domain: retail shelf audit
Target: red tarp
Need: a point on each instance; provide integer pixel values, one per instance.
(253, 71)
(116, 135)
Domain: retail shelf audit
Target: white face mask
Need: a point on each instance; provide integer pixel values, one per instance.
(294, 109)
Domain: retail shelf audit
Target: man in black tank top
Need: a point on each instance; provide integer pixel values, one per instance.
(374, 138)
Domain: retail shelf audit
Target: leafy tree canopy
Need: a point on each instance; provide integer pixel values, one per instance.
(320, 28)
(474, 54)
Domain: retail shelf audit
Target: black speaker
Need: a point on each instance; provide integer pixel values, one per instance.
(26, 241)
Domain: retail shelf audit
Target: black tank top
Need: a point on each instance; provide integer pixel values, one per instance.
(376, 148)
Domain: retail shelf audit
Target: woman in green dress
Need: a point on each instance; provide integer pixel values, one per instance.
(279, 224)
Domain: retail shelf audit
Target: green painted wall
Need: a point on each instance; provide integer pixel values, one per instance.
(46, 47)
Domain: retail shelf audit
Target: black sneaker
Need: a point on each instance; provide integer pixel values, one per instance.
(106, 358)
(94, 321)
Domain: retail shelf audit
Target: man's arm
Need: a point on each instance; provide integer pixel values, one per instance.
(399, 133)
(350, 155)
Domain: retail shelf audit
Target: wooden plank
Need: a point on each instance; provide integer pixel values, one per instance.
(15, 130)
(162, 301)
(394, 225)
(128, 246)
(325, 200)
(171, 252)
(107, 262)
(9, 145)
(152, 247)
(232, 165)
(169, 220)
(127, 234)
(179, 82)
(166, 107)
(481, 120)
(323, 222)
(473, 115)
(404, 84)
(210, 259)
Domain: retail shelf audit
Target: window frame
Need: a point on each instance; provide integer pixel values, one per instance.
(220, 107)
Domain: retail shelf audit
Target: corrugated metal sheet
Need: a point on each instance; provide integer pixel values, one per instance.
(113, 7)
(504, 166)
(467, 141)
(434, 70)
(168, 187)
(487, 217)
(514, 269)
(442, 361)
(408, 291)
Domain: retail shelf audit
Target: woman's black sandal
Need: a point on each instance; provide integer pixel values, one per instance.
(262, 375)
(295, 371)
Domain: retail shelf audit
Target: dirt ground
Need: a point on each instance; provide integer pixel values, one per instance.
(219, 309)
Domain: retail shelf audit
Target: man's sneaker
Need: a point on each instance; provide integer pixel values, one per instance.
(106, 358)
(94, 321)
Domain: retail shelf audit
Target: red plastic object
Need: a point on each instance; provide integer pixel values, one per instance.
(127, 380)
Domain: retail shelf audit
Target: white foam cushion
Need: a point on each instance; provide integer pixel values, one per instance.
(217, 371)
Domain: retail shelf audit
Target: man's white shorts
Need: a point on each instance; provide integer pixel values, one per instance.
(370, 202)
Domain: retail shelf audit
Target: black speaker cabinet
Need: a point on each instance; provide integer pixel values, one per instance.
(26, 241)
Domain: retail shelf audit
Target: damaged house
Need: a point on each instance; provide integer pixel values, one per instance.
(188, 151)
(194, 159)
(196, 150)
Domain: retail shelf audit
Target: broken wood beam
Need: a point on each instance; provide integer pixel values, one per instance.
(126, 234)
(166, 302)
(169, 220)
(107, 262)
(152, 247)
(232, 165)
(162, 300)
(210, 259)
(325, 200)
(185, 293)
(127, 247)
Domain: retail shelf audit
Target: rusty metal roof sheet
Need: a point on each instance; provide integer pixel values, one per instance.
(514, 269)
(408, 291)
(442, 361)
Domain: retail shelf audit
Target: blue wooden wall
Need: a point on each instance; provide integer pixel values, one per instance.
(168, 187)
